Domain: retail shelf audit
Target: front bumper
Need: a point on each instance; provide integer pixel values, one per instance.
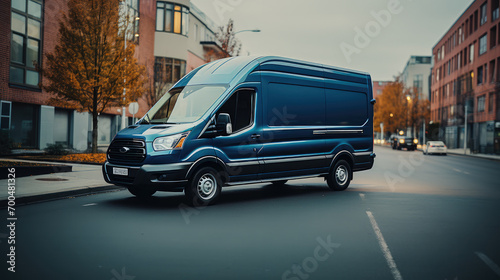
(160, 177)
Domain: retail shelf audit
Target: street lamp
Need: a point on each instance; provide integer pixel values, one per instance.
(247, 30)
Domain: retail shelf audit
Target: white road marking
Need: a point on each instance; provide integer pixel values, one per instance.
(489, 262)
(362, 195)
(90, 204)
(385, 249)
(460, 171)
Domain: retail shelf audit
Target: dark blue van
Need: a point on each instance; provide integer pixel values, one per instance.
(248, 120)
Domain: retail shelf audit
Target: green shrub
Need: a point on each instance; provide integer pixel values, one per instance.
(5, 143)
(56, 149)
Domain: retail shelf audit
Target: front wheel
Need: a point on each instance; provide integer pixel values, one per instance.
(204, 187)
(340, 176)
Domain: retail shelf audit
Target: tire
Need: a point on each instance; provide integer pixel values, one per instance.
(279, 183)
(340, 176)
(204, 187)
(141, 191)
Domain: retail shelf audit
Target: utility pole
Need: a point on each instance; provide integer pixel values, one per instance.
(465, 129)
(423, 143)
(124, 77)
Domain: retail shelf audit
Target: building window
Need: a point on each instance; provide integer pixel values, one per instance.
(5, 112)
(172, 18)
(167, 72)
(480, 75)
(484, 15)
(493, 37)
(483, 44)
(195, 35)
(26, 41)
(129, 13)
(471, 53)
(491, 101)
(418, 83)
(494, 9)
(480, 103)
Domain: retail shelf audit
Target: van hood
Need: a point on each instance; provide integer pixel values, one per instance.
(149, 132)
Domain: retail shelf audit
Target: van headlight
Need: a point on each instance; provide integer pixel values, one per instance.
(169, 142)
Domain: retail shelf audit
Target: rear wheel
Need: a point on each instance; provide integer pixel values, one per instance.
(141, 191)
(340, 176)
(204, 187)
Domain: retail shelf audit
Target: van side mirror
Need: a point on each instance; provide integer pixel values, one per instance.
(224, 126)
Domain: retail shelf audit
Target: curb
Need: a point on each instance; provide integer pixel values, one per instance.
(459, 154)
(475, 156)
(24, 200)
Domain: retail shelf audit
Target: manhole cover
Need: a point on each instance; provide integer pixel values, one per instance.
(52, 179)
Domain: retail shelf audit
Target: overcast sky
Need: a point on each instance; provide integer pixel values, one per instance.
(324, 31)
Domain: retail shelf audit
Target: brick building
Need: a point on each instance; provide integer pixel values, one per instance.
(466, 74)
(378, 87)
(173, 33)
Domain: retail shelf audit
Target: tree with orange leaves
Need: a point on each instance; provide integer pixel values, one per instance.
(390, 108)
(228, 42)
(90, 66)
(399, 108)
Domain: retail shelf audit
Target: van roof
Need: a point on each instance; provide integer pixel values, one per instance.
(237, 69)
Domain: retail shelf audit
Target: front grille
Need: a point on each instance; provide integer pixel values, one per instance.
(127, 151)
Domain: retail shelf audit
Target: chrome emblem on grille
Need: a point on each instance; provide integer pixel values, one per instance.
(124, 149)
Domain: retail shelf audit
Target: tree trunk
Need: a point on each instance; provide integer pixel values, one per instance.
(94, 122)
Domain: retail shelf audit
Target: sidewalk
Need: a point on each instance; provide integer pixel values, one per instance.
(459, 152)
(468, 153)
(83, 180)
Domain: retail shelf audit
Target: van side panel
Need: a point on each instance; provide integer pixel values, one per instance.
(293, 107)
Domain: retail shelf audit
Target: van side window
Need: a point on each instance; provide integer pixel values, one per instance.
(240, 107)
(346, 108)
(294, 105)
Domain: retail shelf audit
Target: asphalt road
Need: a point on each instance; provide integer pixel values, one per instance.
(410, 217)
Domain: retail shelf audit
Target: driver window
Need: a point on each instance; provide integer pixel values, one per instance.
(240, 108)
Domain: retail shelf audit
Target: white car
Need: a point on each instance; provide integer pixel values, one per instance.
(435, 147)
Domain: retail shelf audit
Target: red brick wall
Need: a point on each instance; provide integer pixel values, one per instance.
(52, 9)
(442, 100)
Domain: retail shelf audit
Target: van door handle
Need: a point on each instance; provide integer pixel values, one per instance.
(255, 136)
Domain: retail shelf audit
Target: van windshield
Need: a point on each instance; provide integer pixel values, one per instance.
(185, 106)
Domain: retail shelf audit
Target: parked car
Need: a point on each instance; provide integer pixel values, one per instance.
(248, 120)
(435, 147)
(403, 142)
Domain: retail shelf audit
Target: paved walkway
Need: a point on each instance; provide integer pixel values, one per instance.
(85, 179)
(459, 152)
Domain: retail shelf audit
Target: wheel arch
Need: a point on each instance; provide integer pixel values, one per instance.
(210, 161)
(343, 155)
